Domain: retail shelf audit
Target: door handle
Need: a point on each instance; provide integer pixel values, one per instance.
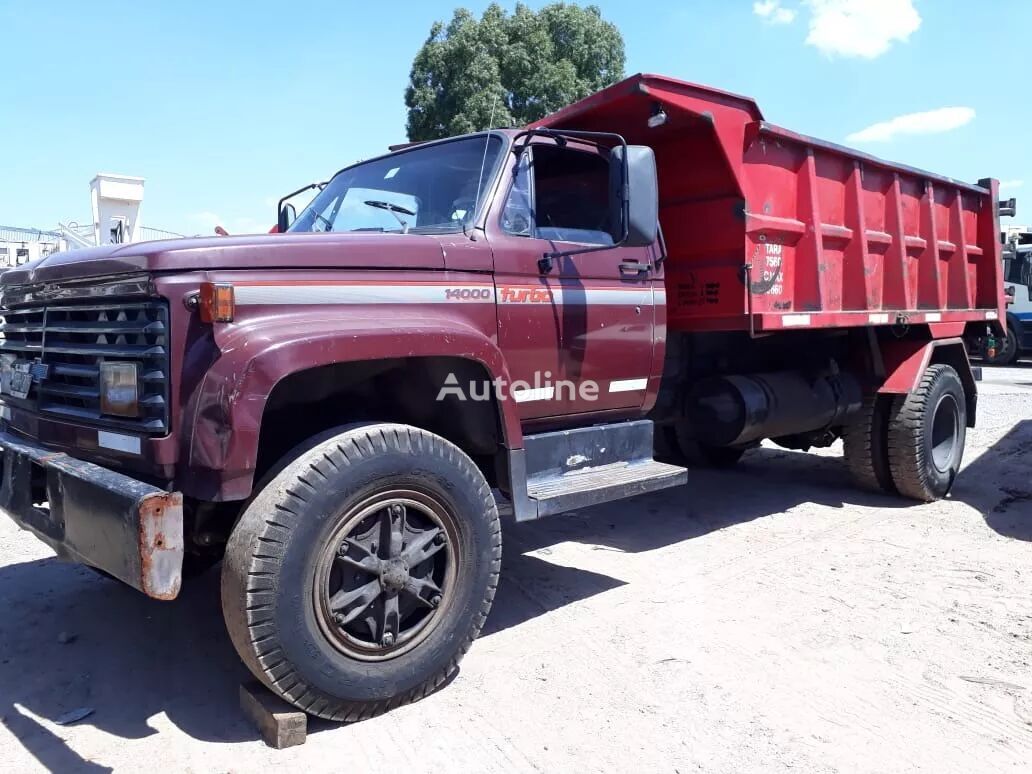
(634, 267)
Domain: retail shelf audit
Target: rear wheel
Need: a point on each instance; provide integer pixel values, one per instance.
(866, 445)
(360, 575)
(926, 435)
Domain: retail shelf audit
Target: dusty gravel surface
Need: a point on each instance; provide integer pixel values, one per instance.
(767, 618)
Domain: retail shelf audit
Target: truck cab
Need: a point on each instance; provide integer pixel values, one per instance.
(1017, 279)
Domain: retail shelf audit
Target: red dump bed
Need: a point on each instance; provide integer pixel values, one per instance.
(767, 229)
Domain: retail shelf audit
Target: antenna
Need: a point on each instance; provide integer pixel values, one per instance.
(483, 165)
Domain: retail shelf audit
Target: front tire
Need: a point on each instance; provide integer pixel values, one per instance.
(360, 575)
(927, 430)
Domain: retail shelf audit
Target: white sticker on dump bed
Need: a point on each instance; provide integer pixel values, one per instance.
(118, 442)
(794, 320)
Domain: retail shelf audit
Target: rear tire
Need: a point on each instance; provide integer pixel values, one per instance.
(927, 429)
(360, 575)
(866, 446)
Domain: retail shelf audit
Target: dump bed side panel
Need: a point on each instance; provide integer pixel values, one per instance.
(837, 238)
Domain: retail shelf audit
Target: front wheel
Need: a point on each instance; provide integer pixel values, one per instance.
(360, 575)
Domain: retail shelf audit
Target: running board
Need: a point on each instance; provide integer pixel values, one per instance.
(570, 469)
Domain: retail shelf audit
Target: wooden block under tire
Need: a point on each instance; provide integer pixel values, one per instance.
(280, 724)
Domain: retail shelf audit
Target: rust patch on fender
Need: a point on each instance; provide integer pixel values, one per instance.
(161, 545)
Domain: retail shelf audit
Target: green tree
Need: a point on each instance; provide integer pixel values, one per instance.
(509, 69)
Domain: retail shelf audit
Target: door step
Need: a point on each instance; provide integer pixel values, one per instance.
(591, 486)
(570, 469)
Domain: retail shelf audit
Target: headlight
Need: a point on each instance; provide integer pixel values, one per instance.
(119, 389)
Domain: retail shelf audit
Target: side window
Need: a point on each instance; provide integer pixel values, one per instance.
(571, 191)
(560, 195)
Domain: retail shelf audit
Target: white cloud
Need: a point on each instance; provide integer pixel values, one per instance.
(859, 28)
(772, 12)
(1009, 184)
(929, 122)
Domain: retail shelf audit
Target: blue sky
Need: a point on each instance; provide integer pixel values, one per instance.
(224, 106)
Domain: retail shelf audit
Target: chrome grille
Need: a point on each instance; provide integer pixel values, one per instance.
(72, 341)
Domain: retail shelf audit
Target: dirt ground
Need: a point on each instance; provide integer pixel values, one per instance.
(763, 619)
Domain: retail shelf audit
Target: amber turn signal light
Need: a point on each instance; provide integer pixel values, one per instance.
(216, 302)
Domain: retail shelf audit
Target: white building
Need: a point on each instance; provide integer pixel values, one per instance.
(115, 201)
(21, 245)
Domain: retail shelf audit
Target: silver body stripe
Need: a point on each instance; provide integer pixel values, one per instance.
(526, 296)
(628, 385)
(298, 295)
(402, 293)
(533, 393)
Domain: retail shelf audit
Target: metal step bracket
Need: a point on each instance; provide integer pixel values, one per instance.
(569, 469)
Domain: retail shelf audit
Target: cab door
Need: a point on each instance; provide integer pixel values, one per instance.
(530, 322)
(600, 309)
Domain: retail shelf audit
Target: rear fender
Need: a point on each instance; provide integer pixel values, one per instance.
(225, 414)
(905, 362)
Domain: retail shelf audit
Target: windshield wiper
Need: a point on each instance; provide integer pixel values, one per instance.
(393, 209)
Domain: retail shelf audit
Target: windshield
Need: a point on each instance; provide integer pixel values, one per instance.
(430, 190)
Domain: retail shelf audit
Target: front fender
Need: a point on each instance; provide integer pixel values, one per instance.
(223, 420)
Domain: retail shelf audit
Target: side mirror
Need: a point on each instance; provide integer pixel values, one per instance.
(287, 215)
(633, 196)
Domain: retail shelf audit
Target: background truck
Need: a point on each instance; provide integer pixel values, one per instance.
(481, 324)
(1017, 285)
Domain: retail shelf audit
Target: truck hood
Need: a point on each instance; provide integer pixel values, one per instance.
(272, 251)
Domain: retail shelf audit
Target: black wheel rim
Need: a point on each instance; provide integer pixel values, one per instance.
(945, 432)
(384, 578)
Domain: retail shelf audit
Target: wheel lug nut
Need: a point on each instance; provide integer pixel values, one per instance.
(339, 618)
(439, 538)
(435, 600)
(343, 548)
(388, 640)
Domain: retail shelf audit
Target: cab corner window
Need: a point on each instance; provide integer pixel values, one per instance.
(518, 216)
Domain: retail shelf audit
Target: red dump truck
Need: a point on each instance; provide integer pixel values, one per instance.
(522, 321)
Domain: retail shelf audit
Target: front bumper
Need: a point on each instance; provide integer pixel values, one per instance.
(89, 514)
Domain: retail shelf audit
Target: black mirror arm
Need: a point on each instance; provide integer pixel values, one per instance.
(291, 195)
(560, 135)
(662, 246)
